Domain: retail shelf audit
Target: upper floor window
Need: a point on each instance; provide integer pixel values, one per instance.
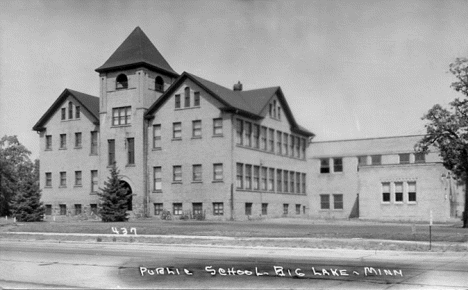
(94, 180)
(48, 142)
(196, 99)
(187, 97)
(404, 158)
(177, 130)
(121, 116)
(177, 173)
(177, 101)
(279, 137)
(338, 164)
(157, 136)
(77, 112)
(94, 142)
(197, 129)
(78, 140)
(63, 141)
(419, 158)
(111, 151)
(159, 84)
(324, 165)
(376, 159)
(239, 131)
(131, 150)
(218, 127)
(121, 82)
(362, 160)
(271, 140)
(157, 178)
(70, 110)
(256, 136)
(63, 179)
(218, 171)
(63, 113)
(48, 181)
(263, 138)
(248, 134)
(197, 172)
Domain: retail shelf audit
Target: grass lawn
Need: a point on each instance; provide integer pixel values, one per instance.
(261, 228)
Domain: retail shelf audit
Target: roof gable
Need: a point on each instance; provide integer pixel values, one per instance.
(136, 50)
(87, 102)
(249, 103)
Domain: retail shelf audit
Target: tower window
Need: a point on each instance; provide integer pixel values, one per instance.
(121, 82)
(159, 84)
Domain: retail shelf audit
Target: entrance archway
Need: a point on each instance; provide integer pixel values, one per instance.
(129, 190)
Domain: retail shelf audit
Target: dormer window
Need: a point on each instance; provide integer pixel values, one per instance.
(159, 84)
(121, 82)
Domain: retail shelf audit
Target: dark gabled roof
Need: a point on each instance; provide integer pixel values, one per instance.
(87, 102)
(137, 50)
(248, 103)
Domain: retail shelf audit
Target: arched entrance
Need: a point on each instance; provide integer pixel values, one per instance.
(129, 190)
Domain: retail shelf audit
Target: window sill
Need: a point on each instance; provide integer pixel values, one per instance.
(177, 182)
(176, 139)
(120, 126)
(62, 186)
(157, 191)
(196, 137)
(197, 181)
(217, 181)
(78, 147)
(65, 148)
(130, 165)
(77, 186)
(218, 136)
(398, 202)
(157, 149)
(47, 149)
(48, 186)
(93, 154)
(187, 108)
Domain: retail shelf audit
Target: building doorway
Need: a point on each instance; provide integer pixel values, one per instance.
(129, 190)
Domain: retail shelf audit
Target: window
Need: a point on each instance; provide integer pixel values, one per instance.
(291, 145)
(218, 208)
(285, 208)
(197, 173)
(177, 101)
(63, 209)
(411, 191)
(218, 172)
(263, 138)
(48, 209)
(70, 110)
(111, 149)
(196, 99)
(94, 180)
(271, 179)
(158, 208)
(218, 127)
(264, 178)
(196, 129)
(271, 110)
(63, 179)
(157, 136)
(121, 116)
(304, 147)
(279, 137)
(285, 180)
(291, 181)
(298, 209)
(240, 175)
(159, 84)
(48, 179)
(298, 182)
(248, 176)
(398, 191)
(248, 134)
(271, 140)
(279, 113)
(177, 173)
(279, 180)
(338, 164)
(177, 130)
(48, 145)
(256, 136)
(419, 158)
(285, 144)
(248, 208)
(362, 160)
(404, 158)
(264, 208)
(298, 147)
(121, 82)
(78, 179)
(77, 209)
(376, 159)
(187, 97)
(274, 109)
(324, 201)
(324, 165)
(304, 183)
(338, 201)
(94, 209)
(239, 131)
(64, 114)
(386, 192)
(94, 143)
(256, 179)
(78, 140)
(197, 208)
(157, 178)
(77, 112)
(177, 208)
(63, 141)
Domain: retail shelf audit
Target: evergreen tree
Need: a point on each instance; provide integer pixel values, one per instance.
(26, 204)
(114, 198)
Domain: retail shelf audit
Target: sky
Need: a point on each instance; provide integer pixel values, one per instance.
(349, 69)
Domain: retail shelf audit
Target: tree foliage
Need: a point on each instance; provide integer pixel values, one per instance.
(16, 169)
(447, 130)
(114, 198)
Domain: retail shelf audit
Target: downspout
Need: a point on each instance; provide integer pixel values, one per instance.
(232, 166)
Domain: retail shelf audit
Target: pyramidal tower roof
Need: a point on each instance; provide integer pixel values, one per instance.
(137, 50)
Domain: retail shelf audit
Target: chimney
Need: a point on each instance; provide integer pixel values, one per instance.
(237, 87)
